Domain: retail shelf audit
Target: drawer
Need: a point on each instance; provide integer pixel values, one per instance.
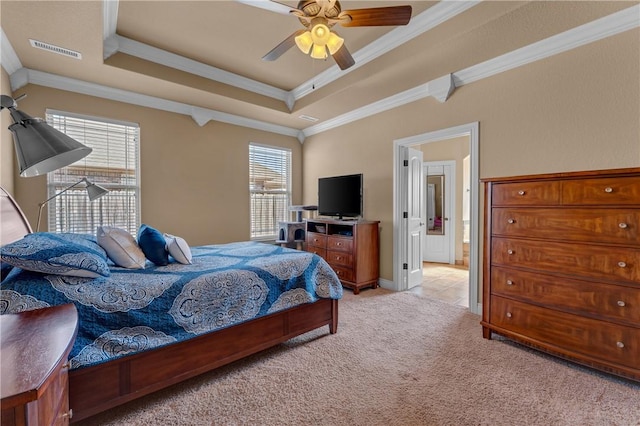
(53, 404)
(526, 193)
(339, 243)
(316, 240)
(344, 273)
(599, 191)
(607, 263)
(567, 333)
(339, 258)
(317, 250)
(603, 301)
(610, 226)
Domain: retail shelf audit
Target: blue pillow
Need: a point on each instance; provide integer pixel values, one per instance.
(153, 245)
(77, 255)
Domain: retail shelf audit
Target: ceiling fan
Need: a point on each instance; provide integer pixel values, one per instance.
(320, 16)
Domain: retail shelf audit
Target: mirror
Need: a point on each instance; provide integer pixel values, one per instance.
(435, 205)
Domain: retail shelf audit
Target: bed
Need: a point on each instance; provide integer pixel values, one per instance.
(145, 329)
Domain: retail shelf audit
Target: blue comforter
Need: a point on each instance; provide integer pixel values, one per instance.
(136, 310)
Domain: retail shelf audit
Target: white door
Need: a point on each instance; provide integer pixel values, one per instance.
(439, 243)
(415, 209)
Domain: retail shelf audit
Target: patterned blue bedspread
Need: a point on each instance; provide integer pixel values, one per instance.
(136, 310)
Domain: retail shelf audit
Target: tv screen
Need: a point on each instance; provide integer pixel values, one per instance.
(340, 196)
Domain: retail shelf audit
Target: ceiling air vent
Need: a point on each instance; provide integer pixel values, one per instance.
(55, 49)
(308, 118)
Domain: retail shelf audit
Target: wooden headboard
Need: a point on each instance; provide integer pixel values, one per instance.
(13, 223)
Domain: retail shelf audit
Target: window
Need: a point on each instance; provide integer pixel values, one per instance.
(113, 164)
(269, 188)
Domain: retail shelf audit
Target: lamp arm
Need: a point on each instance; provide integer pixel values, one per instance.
(44, 203)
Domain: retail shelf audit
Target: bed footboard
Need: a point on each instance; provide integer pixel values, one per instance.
(104, 386)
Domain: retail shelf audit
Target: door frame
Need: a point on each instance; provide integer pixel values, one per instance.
(470, 130)
(450, 183)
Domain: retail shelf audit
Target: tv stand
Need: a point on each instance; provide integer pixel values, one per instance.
(351, 247)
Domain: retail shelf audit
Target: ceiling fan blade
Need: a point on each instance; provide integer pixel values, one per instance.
(285, 45)
(343, 58)
(272, 6)
(377, 16)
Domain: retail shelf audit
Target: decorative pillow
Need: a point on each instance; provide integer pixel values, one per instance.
(178, 249)
(77, 255)
(153, 245)
(121, 247)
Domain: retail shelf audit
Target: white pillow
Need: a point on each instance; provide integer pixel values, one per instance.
(121, 247)
(178, 249)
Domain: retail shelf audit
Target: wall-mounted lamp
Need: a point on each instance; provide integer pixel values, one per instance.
(94, 192)
(39, 147)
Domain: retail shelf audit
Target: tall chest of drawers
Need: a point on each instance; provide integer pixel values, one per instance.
(562, 265)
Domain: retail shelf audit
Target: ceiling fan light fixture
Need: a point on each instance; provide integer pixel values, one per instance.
(304, 42)
(335, 43)
(319, 52)
(320, 34)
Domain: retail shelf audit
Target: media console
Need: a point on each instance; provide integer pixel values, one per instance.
(351, 247)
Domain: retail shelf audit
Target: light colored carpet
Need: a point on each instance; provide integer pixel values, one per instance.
(397, 359)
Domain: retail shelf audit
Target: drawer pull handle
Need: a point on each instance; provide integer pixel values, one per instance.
(509, 282)
(622, 264)
(521, 192)
(509, 314)
(622, 225)
(338, 244)
(608, 190)
(66, 365)
(68, 414)
(620, 345)
(621, 303)
(510, 251)
(511, 221)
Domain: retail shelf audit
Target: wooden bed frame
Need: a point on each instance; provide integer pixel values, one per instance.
(101, 387)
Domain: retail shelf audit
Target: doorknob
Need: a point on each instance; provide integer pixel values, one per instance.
(446, 218)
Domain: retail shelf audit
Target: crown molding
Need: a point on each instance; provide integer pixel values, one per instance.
(607, 26)
(200, 115)
(599, 29)
(435, 15)
(276, 7)
(430, 18)
(394, 101)
(162, 57)
(109, 17)
(8, 57)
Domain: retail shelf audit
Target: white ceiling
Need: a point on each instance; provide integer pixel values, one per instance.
(203, 58)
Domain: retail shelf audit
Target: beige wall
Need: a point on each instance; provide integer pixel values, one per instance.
(194, 180)
(7, 163)
(574, 111)
(455, 149)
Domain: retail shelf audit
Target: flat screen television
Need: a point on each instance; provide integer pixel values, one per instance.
(340, 196)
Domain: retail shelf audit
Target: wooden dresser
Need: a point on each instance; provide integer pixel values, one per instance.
(34, 348)
(352, 249)
(562, 265)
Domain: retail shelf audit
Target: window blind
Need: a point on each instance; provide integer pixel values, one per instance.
(269, 188)
(113, 164)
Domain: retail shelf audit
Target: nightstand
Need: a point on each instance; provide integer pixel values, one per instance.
(34, 347)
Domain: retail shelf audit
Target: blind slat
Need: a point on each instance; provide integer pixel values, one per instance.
(113, 164)
(269, 189)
